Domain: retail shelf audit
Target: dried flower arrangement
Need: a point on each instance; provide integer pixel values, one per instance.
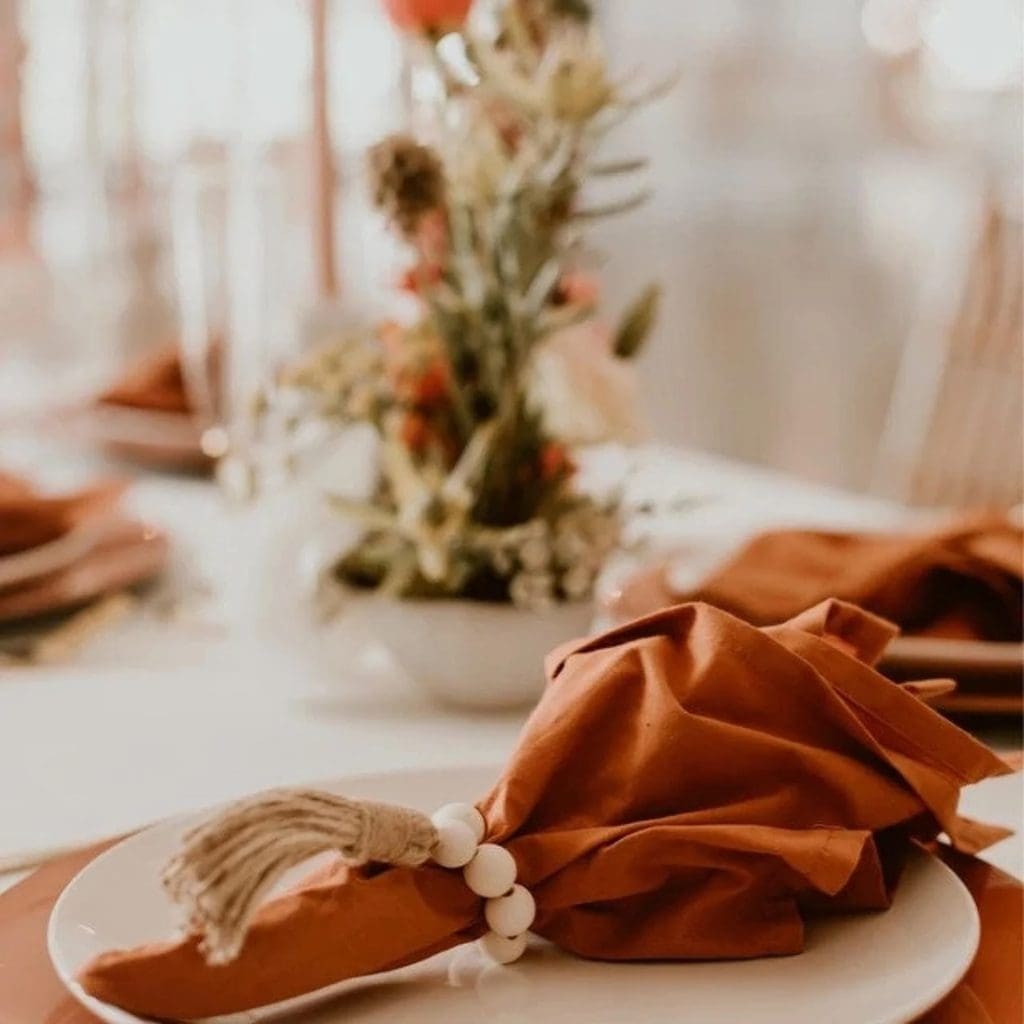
(479, 400)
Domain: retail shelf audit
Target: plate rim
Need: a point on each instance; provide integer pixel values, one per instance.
(981, 654)
(922, 1004)
(912, 1007)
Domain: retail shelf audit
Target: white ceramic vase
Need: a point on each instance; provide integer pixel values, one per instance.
(471, 654)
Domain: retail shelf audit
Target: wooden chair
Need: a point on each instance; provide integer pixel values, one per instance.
(954, 436)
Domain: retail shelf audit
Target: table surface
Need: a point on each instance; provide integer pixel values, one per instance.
(156, 716)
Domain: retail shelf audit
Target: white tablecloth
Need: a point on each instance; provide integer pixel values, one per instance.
(157, 717)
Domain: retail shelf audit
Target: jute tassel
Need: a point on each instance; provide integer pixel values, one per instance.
(227, 865)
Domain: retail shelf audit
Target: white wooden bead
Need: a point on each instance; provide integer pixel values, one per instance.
(466, 813)
(500, 949)
(491, 872)
(511, 914)
(455, 844)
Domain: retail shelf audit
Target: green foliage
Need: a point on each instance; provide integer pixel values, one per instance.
(637, 323)
(476, 496)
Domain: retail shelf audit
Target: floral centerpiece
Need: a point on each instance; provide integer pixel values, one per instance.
(481, 396)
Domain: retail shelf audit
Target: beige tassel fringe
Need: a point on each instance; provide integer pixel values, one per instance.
(227, 865)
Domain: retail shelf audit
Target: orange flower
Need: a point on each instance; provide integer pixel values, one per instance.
(555, 461)
(429, 16)
(426, 388)
(414, 432)
(430, 386)
(422, 276)
(575, 288)
(417, 371)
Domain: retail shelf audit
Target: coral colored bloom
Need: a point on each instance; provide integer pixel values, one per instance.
(414, 432)
(576, 289)
(415, 279)
(434, 16)
(431, 386)
(555, 461)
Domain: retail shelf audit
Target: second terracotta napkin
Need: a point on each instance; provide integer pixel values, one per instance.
(963, 581)
(29, 518)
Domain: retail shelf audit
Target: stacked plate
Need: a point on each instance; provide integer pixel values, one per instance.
(42, 586)
(149, 437)
(988, 674)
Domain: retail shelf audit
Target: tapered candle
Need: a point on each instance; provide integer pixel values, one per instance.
(323, 162)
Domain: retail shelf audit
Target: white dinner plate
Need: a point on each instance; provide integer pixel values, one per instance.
(861, 969)
(988, 674)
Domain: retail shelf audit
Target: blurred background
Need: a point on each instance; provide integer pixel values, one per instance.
(836, 188)
(189, 238)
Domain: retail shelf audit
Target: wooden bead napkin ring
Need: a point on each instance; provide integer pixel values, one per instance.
(228, 865)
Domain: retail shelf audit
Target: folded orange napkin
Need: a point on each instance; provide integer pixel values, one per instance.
(28, 518)
(155, 383)
(689, 786)
(963, 581)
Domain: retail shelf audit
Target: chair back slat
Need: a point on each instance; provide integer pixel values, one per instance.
(955, 434)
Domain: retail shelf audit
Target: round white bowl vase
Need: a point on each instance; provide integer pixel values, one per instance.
(472, 654)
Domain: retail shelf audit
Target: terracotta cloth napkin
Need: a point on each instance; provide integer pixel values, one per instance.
(155, 383)
(28, 518)
(689, 786)
(963, 581)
